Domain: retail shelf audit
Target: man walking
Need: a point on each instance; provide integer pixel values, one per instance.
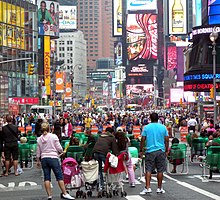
(157, 143)
(10, 139)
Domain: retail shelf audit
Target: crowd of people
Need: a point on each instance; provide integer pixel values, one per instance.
(155, 130)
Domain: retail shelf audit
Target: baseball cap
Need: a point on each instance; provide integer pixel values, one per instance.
(119, 129)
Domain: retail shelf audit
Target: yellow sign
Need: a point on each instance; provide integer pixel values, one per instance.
(12, 32)
(47, 64)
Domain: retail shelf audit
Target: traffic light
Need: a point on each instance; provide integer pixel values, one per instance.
(212, 93)
(30, 69)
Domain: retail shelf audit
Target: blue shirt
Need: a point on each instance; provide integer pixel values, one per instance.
(155, 133)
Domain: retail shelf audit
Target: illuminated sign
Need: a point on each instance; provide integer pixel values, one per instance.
(139, 89)
(48, 17)
(177, 17)
(171, 56)
(200, 77)
(47, 64)
(118, 53)
(68, 17)
(199, 86)
(142, 36)
(12, 31)
(134, 5)
(214, 11)
(117, 17)
(139, 69)
(205, 30)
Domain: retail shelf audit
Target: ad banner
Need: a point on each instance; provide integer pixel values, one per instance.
(47, 64)
(48, 18)
(59, 82)
(68, 17)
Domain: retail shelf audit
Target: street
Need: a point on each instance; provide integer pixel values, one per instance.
(29, 186)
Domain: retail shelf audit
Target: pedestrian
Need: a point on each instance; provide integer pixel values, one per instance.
(48, 150)
(10, 140)
(122, 143)
(155, 137)
(105, 143)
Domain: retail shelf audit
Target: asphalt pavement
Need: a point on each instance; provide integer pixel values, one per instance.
(29, 186)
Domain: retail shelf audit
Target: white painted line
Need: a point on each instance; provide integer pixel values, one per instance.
(136, 197)
(9, 189)
(194, 188)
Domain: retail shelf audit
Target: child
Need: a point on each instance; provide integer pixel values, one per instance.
(176, 161)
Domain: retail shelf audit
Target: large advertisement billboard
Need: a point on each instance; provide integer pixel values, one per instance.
(142, 36)
(48, 18)
(139, 90)
(118, 53)
(12, 30)
(177, 17)
(117, 18)
(47, 64)
(68, 17)
(138, 5)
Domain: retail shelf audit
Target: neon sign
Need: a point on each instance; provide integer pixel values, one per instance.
(200, 77)
(200, 87)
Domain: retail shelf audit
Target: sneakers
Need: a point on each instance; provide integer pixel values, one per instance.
(66, 196)
(160, 191)
(132, 185)
(146, 191)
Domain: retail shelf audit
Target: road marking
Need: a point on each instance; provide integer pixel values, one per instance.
(153, 180)
(25, 185)
(194, 188)
(136, 197)
(206, 179)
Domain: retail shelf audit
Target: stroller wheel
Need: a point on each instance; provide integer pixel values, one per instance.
(122, 194)
(125, 194)
(114, 192)
(104, 193)
(89, 193)
(99, 194)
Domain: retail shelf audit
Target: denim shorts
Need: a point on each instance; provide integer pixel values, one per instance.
(156, 159)
(51, 163)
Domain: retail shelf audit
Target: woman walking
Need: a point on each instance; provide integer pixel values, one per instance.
(48, 150)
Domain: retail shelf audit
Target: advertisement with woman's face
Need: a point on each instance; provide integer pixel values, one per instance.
(48, 18)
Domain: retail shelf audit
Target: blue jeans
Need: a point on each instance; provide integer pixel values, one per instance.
(100, 158)
(51, 163)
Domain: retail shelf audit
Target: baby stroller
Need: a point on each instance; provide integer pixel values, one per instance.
(90, 172)
(114, 167)
(72, 176)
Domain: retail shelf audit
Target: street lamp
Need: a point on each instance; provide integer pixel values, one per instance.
(72, 72)
(213, 37)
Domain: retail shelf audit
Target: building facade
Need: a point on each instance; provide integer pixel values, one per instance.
(71, 49)
(95, 21)
(18, 49)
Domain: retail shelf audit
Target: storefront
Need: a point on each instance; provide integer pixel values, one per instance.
(18, 49)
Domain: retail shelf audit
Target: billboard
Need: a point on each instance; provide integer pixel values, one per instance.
(47, 64)
(118, 53)
(171, 56)
(139, 90)
(177, 17)
(214, 11)
(142, 36)
(137, 5)
(117, 17)
(176, 94)
(139, 73)
(59, 82)
(12, 30)
(48, 18)
(68, 17)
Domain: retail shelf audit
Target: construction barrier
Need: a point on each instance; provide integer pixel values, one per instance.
(94, 130)
(136, 131)
(78, 129)
(183, 133)
(21, 129)
(106, 126)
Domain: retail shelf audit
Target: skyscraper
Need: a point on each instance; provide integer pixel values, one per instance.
(95, 21)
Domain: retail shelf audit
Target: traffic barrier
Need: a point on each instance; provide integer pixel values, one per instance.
(21, 129)
(183, 133)
(28, 128)
(94, 130)
(136, 131)
(106, 126)
(78, 129)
